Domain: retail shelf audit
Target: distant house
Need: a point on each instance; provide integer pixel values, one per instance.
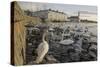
(50, 15)
(74, 18)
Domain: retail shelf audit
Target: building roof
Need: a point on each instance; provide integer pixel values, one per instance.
(51, 10)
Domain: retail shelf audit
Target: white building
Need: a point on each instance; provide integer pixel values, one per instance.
(51, 15)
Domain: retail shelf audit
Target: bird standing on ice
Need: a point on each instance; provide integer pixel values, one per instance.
(42, 49)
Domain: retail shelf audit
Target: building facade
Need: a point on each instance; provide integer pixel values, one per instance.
(51, 15)
(74, 19)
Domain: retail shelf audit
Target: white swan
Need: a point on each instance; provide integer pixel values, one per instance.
(42, 49)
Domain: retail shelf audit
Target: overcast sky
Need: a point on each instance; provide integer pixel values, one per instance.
(69, 9)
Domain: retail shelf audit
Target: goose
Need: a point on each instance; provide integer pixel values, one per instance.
(42, 49)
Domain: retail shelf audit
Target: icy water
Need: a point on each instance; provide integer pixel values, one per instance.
(92, 27)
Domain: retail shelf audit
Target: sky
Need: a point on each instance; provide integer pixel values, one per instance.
(69, 9)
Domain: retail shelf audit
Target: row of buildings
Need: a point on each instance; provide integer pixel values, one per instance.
(50, 15)
(56, 16)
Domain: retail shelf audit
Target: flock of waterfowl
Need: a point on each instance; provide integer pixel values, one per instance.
(75, 44)
(80, 39)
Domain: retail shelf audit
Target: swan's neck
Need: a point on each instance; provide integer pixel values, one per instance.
(43, 38)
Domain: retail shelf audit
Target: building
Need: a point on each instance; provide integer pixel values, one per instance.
(84, 16)
(88, 16)
(74, 18)
(51, 15)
